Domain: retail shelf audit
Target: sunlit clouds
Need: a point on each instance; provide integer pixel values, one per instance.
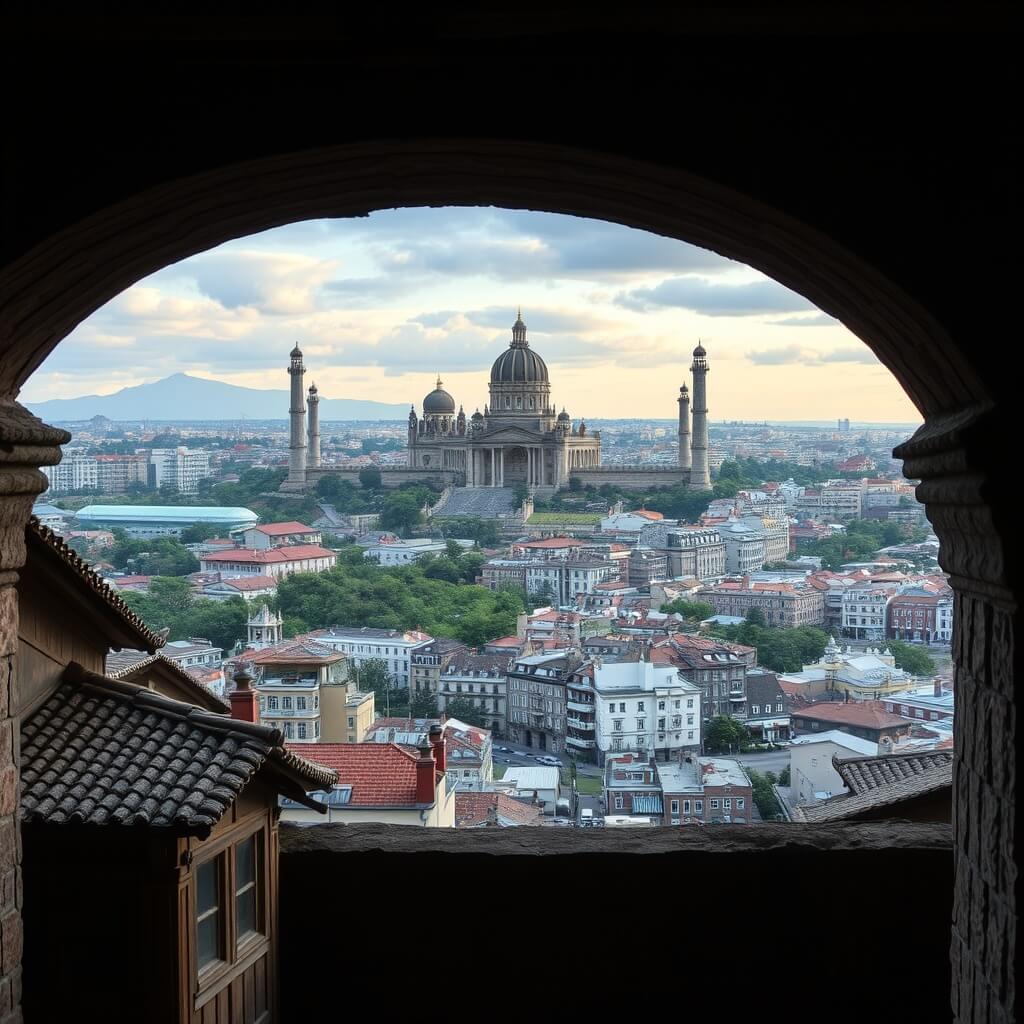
(381, 304)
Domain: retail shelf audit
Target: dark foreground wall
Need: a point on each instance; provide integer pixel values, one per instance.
(798, 923)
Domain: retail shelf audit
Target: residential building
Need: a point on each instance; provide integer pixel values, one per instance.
(550, 625)
(305, 691)
(116, 473)
(76, 471)
(195, 652)
(920, 617)
(767, 715)
(783, 604)
(276, 562)
(538, 785)
(250, 588)
(581, 713)
(933, 703)
(382, 783)
(499, 572)
(364, 643)
(567, 578)
(646, 565)
(744, 547)
(536, 699)
(813, 777)
(867, 719)
(428, 661)
(645, 707)
(475, 809)
(275, 535)
(480, 679)
(547, 548)
(718, 667)
(181, 468)
(866, 610)
(697, 551)
(774, 530)
(405, 552)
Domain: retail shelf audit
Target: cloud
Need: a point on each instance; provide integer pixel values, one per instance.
(798, 355)
(538, 320)
(715, 298)
(814, 320)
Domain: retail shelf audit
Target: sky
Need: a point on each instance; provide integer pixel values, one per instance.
(382, 305)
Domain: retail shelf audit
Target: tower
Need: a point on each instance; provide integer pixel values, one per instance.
(297, 413)
(313, 462)
(265, 629)
(700, 475)
(684, 427)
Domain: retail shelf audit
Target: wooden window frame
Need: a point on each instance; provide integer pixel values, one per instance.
(235, 953)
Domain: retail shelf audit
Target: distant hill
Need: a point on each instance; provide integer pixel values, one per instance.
(181, 397)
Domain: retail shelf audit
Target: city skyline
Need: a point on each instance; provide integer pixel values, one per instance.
(382, 305)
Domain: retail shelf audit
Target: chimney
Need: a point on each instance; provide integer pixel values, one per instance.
(938, 686)
(438, 746)
(244, 702)
(426, 782)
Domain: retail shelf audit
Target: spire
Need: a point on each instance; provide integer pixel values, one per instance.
(519, 332)
(439, 382)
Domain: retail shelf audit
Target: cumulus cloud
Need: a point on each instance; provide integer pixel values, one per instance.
(798, 355)
(813, 320)
(715, 298)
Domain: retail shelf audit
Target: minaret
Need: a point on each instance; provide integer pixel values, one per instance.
(297, 412)
(265, 629)
(313, 462)
(684, 427)
(700, 476)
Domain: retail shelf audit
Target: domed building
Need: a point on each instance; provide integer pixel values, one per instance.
(517, 439)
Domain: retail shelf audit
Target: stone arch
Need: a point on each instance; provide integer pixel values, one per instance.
(50, 289)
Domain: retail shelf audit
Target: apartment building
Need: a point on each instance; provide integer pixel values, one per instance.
(482, 680)
(76, 471)
(689, 550)
(783, 604)
(718, 667)
(537, 699)
(181, 468)
(362, 643)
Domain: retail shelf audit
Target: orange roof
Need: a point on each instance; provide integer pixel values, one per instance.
(294, 652)
(504, 641)
(645, 513)
(380, 774)
(251, 582)
(869, 714)
(280, 529)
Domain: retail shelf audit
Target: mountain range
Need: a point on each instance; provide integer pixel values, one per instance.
(181, 397)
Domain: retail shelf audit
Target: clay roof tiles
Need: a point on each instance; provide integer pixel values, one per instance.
(100, 751)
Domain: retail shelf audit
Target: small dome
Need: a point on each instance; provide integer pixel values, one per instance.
(519, 364)
(312, 389)
(684, 390)
(438, 401)
(699, 351)
(563, 416)
(478, 415)
(296, 352)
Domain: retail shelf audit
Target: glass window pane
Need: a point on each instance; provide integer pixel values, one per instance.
(245, 862)
(206, 887)
(245, 911)
(209, 939)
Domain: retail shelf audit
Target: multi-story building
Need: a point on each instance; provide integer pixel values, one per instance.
(76, 471)
(865, 610)
(195, 652)
(690, 550)
(116, 473)
(552, 626)
(812, 773)
(363, 643)
(646, 565)
(536, 699)
(305, 691)
(480, 679)
(918, 616)
(744, 547)
(566, 579)
(718, 667)
(649, 708)
(774, 530)
(933, 703)
(405, 552)
(269, 562)
(784, 604)
(428, 661)
(867, 719)
(767, 718)
(276, 535)
(581, 713)
(499, 572)
(181, 468)
(469, 761)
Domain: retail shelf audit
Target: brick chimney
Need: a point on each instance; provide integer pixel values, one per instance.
(245, 704)
(425, 778)
(438, 745)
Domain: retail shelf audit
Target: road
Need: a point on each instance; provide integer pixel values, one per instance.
(773, 761)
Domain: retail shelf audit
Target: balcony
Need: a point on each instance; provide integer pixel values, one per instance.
(290, 713)
(288, 682)
(580, 723)
(575, 705)
(575, 741)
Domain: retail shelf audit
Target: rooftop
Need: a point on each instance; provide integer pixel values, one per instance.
(292, 553)
(866, 714)
(169, 513)
(283, 529)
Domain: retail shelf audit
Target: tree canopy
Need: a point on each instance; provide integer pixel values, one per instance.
(912, 659)
(170, 603)
(781, 650)
(153, 556)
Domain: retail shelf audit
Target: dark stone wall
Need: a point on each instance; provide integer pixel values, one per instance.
(778, 922)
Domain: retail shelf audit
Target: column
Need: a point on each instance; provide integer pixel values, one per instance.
(501, 463)
(26, 443)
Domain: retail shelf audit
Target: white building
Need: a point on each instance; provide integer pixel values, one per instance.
(181, 468)
(404, 552)
(812, 777)
(276, 535)
(193, 653)
(645, 707)
(865, 611)
(774, 532)
(944, 620)
(543, 784)
(76, 471)
(363, 643)
(269, 562)
(744, 548)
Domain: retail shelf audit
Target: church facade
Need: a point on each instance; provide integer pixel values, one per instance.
(517, 439)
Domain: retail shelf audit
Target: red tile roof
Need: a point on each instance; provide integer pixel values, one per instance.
(380, 774)
(293, 553)
(251, 582)
(473, 810)
(646, 513)
(282, 529)
(505, 641)
(867, 714)
(294, 652)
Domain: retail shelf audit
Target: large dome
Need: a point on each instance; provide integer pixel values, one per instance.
(519, 364)
(438, 401)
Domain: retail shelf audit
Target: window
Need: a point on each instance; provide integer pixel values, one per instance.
(661, 705)
(286, 703)
(272, 703)
(755, 709)
(674, 806)
(300, 703)
(689, 735)
(714, 805)
(689, 703)
(640, 705)
(246, 894)
(778, 708)
(617, 725)
(351, 722)
(739, 803)
(641, 723)
(618, 803)
(209, 937)
(698, 806)
(661, 724)
(622, 709)
(727, 803)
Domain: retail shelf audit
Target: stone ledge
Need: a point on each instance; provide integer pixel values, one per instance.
(884, 837)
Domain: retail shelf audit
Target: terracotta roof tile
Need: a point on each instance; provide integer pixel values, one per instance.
(292, 553)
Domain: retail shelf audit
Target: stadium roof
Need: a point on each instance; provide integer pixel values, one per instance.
(166, 513)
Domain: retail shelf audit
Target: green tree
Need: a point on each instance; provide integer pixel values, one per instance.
(373, 675)
(784, 776)
(370, 478)
(912, 659)
(698, 610)
(755, 616)
(464, 710)
(401, 512)
(328, 486)
(198, 532)
(724, 735)
(764, 795)
(423, 704)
